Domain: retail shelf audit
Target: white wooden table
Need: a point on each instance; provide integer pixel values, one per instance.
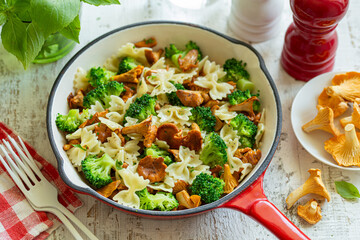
(23, 102)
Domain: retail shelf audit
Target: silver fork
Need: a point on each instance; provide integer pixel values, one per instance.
(40, 192)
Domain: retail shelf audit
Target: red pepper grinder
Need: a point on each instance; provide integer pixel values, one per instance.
(311, 40)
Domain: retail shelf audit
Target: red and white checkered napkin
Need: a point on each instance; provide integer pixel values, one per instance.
(18, 220)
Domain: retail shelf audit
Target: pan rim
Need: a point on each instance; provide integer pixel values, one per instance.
(203, 208)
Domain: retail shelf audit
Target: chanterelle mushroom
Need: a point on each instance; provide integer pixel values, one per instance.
(152, 57)
(313, 184)
(336, 103)
(354, 118)
(131, 76)
(171, 134)
(345, 148)
(145, 129)
(349, 88)
(339, 78)
(188, 201)
(152, 168)
(310, 212)
(229, 179)
(246, 106)
(190, 98)
(193, 140)
(324, 120)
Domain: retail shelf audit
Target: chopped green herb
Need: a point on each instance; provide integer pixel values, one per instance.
(79, 146)
(150, 40)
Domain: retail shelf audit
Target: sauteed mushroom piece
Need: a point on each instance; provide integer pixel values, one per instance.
(145, 129)
(169, 133)
(193, 140)
(150, 42)
(152, 168)
(152, 57)
(190, 98)
(188, 201)
(229, 179)
(246, 106)
(131, 76)
(179, 186)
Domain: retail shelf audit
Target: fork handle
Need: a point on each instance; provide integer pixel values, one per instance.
(65, 221)
(76, 221)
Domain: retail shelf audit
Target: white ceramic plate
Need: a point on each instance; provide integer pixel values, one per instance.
(304, 110)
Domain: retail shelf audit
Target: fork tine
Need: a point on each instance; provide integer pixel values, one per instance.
(14, 176)
(15, 167)
(25, 156)
(30, 160)
(20, 162)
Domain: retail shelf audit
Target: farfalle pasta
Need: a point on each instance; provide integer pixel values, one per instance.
(159, 121)
(174, 114)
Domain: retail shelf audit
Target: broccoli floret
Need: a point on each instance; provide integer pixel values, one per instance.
(209, 188)
(126, 64)
(173, 98)
(142, 107)
(235, 70)
(192, 45)
(99, 76)
(156, 152)
(245, 128)
(239, 96)
(160, 201)
(204, 118)
(214, 150)
(97, 170)
(174, 53)
(102, 94)
(71, 121)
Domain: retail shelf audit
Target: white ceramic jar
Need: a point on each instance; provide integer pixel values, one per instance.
(255, 20)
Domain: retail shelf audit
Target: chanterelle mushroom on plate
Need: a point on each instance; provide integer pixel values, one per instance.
(345, 148)
(354, 118)
(310, 212)
(313, 184)
(324, 120)
(336, 103)
(349, 88)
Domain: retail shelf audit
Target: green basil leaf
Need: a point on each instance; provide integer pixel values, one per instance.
(13, 36)
(3, 18)
(21, 9)
(347, 190)
(35, 41)
(101, 2)
(72, 30)
(52, 16)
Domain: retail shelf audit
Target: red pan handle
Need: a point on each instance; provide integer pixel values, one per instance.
(254, 203)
